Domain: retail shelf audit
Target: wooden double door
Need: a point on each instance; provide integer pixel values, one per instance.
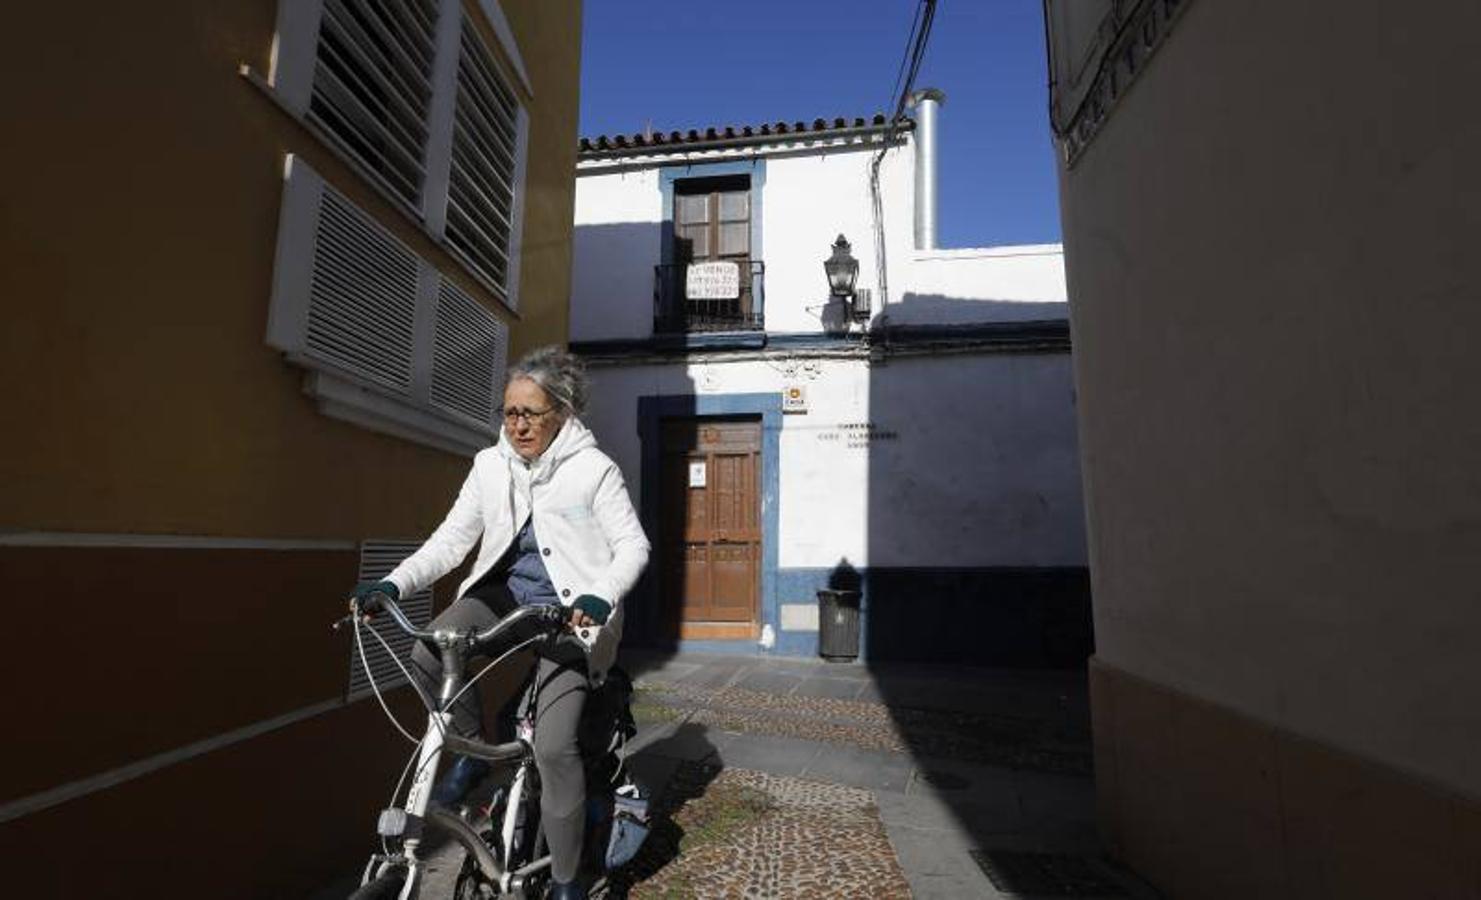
(710, 540)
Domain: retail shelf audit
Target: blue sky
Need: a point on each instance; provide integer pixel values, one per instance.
(692, 63)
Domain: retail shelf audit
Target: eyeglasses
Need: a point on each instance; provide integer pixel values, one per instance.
(531, 416)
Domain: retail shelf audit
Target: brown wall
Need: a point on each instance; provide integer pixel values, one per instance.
(1269, 247)
(137, 234)
(274, 817)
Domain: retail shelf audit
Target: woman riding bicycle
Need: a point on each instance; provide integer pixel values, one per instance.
(557, 527)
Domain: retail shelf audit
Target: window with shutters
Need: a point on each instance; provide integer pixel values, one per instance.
(388, 341)
(713, 281)
(412, 96)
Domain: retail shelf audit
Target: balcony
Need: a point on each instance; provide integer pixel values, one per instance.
(708, 297)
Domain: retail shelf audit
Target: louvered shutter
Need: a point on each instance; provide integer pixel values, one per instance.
(377, 559)
(362, 296)
(390, 342)
(372, 85)
(469, 349)
(482, 178)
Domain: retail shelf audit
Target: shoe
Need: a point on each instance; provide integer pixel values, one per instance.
(567, 890)
(461, 777)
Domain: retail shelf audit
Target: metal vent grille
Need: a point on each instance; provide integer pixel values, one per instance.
(362, 296)
(468, 355)
(373, 85)
(480, 197)
(377, 559)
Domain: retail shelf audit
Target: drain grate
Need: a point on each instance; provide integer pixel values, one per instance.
(1045, 874)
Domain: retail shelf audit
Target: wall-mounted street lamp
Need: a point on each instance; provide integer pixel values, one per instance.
(842, 269)
(843, 273)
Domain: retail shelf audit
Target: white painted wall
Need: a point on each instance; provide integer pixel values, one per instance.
(810, 200)
(810, 196)
(982, 470)
(973, 460)
(823, 512)
(614, 249)
(1272, 255)
(989, 284)
(986, 471)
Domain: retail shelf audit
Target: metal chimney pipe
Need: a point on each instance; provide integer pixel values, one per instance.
(927, 102)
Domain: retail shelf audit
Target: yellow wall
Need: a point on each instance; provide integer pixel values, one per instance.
(549, 34)
(139, 218)
(138, 223)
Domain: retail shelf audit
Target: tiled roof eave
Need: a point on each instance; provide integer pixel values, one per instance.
(713, 139)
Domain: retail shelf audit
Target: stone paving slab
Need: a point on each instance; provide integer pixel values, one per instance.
(936, 847)
(779, 755)
(830, 688)
(769, 682)
(870, 769)
(679, 738)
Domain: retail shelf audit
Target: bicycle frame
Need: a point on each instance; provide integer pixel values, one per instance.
(406, 822)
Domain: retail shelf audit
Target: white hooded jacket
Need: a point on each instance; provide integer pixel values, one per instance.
(590, 537)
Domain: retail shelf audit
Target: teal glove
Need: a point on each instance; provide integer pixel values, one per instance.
(369, 594)
(594, 606)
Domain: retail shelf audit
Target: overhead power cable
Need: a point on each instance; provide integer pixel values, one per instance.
(910, 63)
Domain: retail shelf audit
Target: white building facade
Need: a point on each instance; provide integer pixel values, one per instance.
(915, 442)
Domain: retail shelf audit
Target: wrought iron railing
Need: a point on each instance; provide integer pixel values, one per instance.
(675, 311)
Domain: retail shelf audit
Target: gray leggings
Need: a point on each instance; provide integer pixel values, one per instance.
(560, 696)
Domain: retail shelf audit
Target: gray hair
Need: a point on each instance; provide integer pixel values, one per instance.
(558, 373)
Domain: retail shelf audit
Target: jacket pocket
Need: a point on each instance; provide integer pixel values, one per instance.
(573, 514)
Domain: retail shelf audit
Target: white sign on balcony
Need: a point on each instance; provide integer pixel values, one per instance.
(712, 281)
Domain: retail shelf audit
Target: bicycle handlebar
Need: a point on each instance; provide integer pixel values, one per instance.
(551, 617)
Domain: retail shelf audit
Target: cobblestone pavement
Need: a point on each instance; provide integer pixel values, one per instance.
(736, 833)
(1017, 742)
(784, 779)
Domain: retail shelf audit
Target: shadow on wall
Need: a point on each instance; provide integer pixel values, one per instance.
(976, 523)
(612, 279)
(937, 309)
(845, 577)
(976, 555)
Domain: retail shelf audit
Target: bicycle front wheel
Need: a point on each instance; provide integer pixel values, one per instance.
(386, 887)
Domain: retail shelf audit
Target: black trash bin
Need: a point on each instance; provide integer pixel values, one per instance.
(838, 624)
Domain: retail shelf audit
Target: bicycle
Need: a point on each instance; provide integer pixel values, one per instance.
(508, 858)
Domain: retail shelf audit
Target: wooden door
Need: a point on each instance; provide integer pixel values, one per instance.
(710, 549)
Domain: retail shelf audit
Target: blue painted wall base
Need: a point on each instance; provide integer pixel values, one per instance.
(1018, 617)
